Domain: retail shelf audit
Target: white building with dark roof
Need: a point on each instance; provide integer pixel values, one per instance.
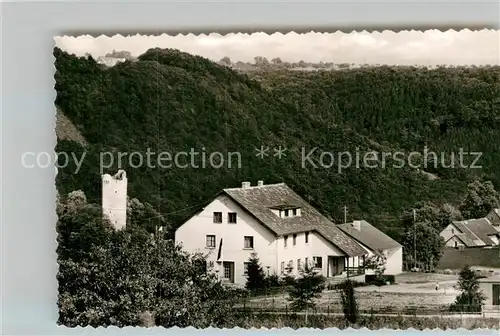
(273, 221)
(374, 242)
(470, 233)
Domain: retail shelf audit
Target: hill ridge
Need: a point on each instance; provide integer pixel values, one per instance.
(172, 101)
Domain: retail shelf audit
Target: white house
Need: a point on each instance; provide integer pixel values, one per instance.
(491, 289)
(471, 233)
(374, 242)
(274, 222)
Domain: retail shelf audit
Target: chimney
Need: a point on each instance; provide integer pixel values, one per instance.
(260, 183)
(245, 185)
(357, 225)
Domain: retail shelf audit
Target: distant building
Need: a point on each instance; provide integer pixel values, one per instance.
(114, 198)
(109, 61)
(283, 229)
(471, 233)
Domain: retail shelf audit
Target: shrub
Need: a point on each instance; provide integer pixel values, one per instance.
(470, 298)
(272, 280)
(349, 303)
(255, 275)
(306, 288)
(341, 285)
(380, 280)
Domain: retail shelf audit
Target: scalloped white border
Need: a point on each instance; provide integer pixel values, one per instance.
(28, 291)
(407, 47)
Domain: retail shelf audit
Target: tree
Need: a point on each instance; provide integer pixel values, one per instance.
(255, 274)
(471, 297)
(349, 302)
(440, 216)
(481, 198)
(276, 60)
(225, 61)
(305, 289)
(429, 245)
(80, 226)
(261, 61)
(145, 215)
(377, 262)
(109, 277)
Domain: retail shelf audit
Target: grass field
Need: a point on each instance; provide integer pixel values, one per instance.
(413, 292)
(367, 300)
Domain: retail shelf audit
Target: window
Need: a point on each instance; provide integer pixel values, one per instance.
(227, 271)
(282, 267)
(290, 266)
(231, 217)
(307, 237)
(306, 262)
(287, 213)
(210, 264)
(452, 231)
(285, 239)
(456, 244)
(298, 264)
(217, 217)
(294, 212)
(318, 262)
(294, 239)
(248, 243)
(211, 241)
(245, 268)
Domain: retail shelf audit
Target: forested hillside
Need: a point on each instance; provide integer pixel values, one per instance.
(172, 101)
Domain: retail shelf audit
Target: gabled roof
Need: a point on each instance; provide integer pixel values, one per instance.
(477, 230)
(482, 228)
(494, 217)
(464, 239)
(369, 236)
(259, 201)
(467, 236)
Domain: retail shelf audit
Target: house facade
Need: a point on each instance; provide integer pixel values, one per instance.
(491, 289)
(374, 242)
(472, 233)
(275, 223)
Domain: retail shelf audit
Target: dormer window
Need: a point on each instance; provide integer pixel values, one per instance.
(286, 211)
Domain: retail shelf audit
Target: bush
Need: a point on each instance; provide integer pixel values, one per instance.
(471, 297)
(287, 280)
(256, 281)
(381, 280)
(272, 280)
(341, 285)
(349, 302)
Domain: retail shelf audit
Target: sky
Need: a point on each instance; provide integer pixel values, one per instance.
(431, 47)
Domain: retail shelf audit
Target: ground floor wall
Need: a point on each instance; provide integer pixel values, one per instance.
(491, 291)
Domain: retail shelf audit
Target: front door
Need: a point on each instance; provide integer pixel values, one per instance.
(332, 266)
(228, 271)
(496, 294)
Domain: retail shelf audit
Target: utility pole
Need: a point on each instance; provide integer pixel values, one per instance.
(345, 214)
(414, 238)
